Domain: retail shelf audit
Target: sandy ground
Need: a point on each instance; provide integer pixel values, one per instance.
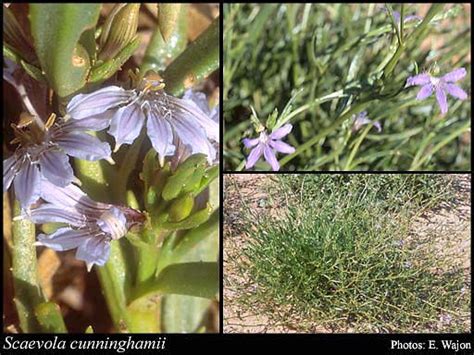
(448, 224)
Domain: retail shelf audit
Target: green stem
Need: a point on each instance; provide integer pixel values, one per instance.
(28, 294)
(356, 147)
(198, 60)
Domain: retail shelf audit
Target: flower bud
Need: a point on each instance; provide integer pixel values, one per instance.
(119, 30)
(181, 208)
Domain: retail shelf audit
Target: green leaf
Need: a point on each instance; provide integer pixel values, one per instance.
(199, 279)
(57, 29)
(199, 59)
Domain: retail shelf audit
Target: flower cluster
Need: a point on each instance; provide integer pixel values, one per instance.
(40, 170)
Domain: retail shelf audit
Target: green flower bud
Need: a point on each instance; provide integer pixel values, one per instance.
(119, 30)
(181, 208)
(194, 220)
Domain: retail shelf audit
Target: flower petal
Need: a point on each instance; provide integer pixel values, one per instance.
(281, 132)
(95, 250)
(84, 146)
(199, 98)
(93, 123)
(56, 168)
(27, 185)
(455, 75)
(271, 158)
(442, 100)
(420, 79)
(9, 172)
(71, 196)
(188, 110)
(64, 239)
(254, 155)
(249, 143)
(50, 213)
(424, 92)
(455, 91)
(126, 125)
(161, 135)
(193, 136)
(113, 222)
(282, 147)
(97, 102)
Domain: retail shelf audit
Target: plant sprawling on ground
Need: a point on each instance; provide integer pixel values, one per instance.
(341, 254)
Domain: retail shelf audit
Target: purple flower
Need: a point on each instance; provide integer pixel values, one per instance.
(43, 152)
(91, 225)
(440, 86)
(169, 120)
(361, 119)
(396, 15)
(268, 144)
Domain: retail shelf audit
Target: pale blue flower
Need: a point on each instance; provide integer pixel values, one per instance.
(440, 86)
(267, 145)
(91, 225)
(44, 153)
(170, 121)
(361, 119)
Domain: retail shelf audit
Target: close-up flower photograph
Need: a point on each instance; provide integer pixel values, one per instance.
(110, 170)
(356, 87)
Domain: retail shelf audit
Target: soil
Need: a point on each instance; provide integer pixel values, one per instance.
(448, 224)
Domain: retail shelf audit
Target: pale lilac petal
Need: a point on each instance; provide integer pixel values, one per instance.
(64, 239)
(455, 91)
(420, 79)
(27, 185)
(126, 125)
(113, 222)
(254, 155)
(281, 132)
(161, 135)
(97, 102)
(188, 110)
(455, 75)
(271, 158)
(194, 138)
(442, 100)
(215, 114)
(412, 17)
(84, 146)
(9, 172)
(282, 147)
(47, 213)
(56, 168)
(249, 143)
(378, 126)
(199, 99)
(95, 250)
(93, 123)
(71, 196)
(424, 92)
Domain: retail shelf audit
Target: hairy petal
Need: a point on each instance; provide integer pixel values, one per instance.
(161, 135)
(442, 100)
(455, 91)
(455, 75)
(271, 158)
(420, 79)
(281, 132)
(64, 239)
(9, 172)
(56, 168)
(27, 185)
(113, 222)
(254, 155)
(282, 147)
(249, 143)
(97, 102)
(425, 92)
(84, 146)
(126, 125)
